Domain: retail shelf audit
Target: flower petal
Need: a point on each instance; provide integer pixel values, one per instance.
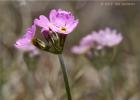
(72, 26)
(52, 15)
(24, 43)
(42, 22)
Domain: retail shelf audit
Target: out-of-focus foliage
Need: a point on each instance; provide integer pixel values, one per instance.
(40, 77)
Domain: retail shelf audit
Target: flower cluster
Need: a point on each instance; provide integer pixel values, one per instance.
(98, 40)
(54, 31)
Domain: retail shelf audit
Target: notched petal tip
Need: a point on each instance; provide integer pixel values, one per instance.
(52, 11)
(42, 22)
(43, 17)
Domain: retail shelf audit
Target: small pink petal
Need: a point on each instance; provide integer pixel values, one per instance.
(42, 22)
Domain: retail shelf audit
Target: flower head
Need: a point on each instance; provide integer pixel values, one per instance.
(60, 21)
(107, 37)
(55, 30)
(98, 40)
(24, 44)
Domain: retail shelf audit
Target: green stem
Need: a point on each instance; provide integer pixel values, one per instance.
(65, 76)
(111, 84)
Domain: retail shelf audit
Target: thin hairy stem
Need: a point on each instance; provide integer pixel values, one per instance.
(65, 77)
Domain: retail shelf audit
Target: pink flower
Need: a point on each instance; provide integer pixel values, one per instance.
(24, 44)
(55, 30)
(98, 40)
(107, 37)
(60, 21)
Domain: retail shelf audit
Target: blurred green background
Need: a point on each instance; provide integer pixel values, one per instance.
(40, 77)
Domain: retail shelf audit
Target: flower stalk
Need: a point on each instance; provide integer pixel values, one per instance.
(63, 67)
(111, 84)
(54, 31)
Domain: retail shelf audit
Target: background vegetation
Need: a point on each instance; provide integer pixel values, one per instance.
(40, 77)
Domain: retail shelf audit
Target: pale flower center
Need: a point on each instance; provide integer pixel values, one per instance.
(63, 29)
